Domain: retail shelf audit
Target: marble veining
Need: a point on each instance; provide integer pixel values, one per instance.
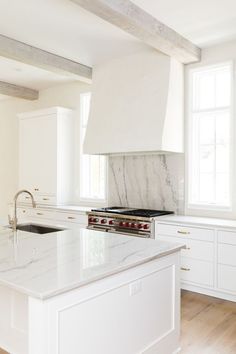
(43, 266)
(148, 181)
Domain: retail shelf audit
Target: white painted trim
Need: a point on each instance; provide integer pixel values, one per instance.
(208, 291)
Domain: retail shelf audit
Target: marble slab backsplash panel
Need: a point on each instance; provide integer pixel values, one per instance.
(148, 181)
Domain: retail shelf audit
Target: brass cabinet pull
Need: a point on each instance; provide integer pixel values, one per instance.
(23, 211)
(183, 232)
(185, 269)
(46, 199)
(39, 213)
(36, 189)
(71, 217)
(188, 248)
(27, 197)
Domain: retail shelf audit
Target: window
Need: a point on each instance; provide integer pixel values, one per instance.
(92, 167)
(209, 137)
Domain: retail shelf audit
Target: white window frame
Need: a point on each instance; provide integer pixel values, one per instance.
(210, 209)
(87, 200)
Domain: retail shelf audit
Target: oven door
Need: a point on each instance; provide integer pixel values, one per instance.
(117, 231)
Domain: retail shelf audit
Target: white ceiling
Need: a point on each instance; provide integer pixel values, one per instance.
(27, 75)
(204, 22)
(62, 27)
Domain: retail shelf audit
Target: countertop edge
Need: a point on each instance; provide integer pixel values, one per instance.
(44, 297)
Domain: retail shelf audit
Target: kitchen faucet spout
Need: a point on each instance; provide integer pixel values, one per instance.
(13, 221)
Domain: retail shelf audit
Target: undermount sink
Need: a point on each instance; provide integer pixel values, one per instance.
(38, 229)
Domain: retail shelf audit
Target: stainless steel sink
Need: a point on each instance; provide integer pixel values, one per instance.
(38, 229)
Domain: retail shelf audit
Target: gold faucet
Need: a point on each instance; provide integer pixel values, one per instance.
(13, 221)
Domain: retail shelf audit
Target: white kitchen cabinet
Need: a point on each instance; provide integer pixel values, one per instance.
(197, 272)
(197, 258)
(203, 251)
(46, 155)
(208, 264)
(53, 216)
(227, 278)
(226, 265)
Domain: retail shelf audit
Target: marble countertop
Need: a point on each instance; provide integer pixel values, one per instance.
(43, 266)
(200, 221)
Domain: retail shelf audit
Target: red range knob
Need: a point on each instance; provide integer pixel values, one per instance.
(140, 226)
(111, 222)
(146, 226)
(103, 221)
(95, 220)
(128, 224)
(122, 223)
(134, 225)
(90, 219)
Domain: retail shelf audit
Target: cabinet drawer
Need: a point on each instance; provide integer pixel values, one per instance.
(184, 231)
(196, 271)
(41, 214)
(39, 199)
(227, 254)
(227, 237)
(73, 217)
(46, 199)
(227, 278)
(201, 250)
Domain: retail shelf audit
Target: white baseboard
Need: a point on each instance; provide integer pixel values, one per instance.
(209, 292)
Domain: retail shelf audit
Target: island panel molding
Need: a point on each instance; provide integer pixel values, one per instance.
(9, 89)
(134, 20)
(24, 53)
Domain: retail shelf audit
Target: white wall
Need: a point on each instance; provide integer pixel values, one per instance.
(67, 95)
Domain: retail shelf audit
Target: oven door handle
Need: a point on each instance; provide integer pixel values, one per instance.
(129, 234)
(98, 228)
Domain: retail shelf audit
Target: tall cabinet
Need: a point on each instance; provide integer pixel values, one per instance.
(46, 155)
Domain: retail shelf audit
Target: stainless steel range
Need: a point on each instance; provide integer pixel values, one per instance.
(129, 221)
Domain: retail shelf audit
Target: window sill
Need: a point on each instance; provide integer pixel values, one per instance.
(209, 207)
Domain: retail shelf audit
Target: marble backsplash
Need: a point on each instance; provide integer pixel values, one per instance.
(148, 181)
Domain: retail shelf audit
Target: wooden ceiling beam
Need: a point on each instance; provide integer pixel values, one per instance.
(18, 91)
(24, 53)
(137, 22)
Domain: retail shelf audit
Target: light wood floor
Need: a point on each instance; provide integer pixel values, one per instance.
(208, 325)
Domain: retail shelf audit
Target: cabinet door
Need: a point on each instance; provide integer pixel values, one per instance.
(38, 154)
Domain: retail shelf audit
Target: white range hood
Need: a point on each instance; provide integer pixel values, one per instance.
(137, 106)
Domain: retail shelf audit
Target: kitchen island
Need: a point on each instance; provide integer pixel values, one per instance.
(89, 292)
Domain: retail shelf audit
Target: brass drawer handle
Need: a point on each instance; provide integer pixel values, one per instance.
(71, 217)
(46, 199)
(36, 189)
(39, 213)
(183, 232)
(188, 248)
(185, 269)
(27, 197)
